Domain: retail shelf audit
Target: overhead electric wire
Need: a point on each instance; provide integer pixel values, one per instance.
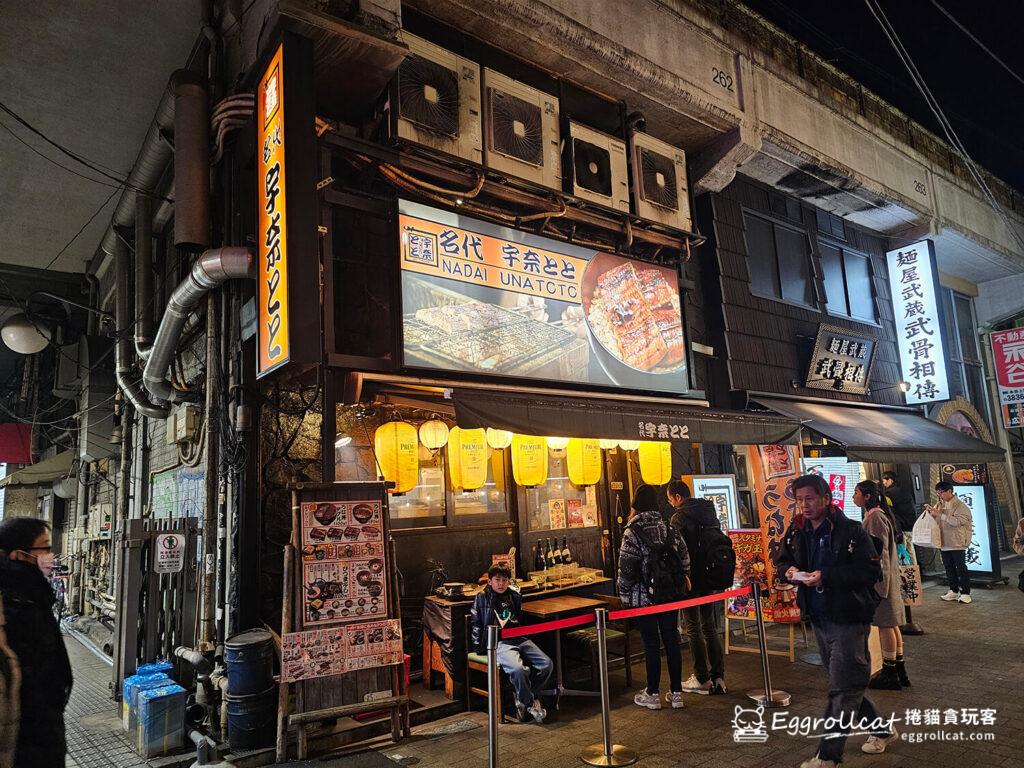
(933, 105)
(978, 42)
(85, 226)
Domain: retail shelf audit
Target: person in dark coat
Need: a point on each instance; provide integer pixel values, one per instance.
(34, 636)
(901, 502)
(836, 564)
(690, 518)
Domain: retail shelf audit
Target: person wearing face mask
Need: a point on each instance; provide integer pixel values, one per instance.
(34, 636)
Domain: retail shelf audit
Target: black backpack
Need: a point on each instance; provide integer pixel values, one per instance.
(666, 575)
(714, 563)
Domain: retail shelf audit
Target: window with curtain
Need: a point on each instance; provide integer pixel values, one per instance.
(849, 287)
(778, 260)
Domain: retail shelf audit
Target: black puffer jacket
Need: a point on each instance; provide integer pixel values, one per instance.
(902, 504)
(33, 635)
(849, 583)
(482, 614)
(688, 520)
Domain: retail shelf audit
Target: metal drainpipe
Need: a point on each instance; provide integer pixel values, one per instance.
(143, 275)
(81, 516)
(207, 624)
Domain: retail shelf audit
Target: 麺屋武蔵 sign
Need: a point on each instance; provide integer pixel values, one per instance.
(913, 279)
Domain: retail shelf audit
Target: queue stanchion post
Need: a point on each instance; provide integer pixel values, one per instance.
(493, 696)
(606, 753)
(767, 697)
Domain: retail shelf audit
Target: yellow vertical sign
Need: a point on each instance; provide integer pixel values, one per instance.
(273, 233)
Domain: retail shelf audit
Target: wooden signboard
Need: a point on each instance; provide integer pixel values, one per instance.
(341, 633)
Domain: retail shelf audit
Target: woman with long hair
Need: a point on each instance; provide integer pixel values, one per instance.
(880, 523)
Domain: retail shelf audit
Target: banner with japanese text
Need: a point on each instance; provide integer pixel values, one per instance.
(1008, 360)
(913, 280)
(773, 468)
(494, 300)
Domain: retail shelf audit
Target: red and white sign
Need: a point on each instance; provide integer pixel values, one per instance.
(838, 485)
(1008, 358)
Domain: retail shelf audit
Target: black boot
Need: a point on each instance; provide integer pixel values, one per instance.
(901, 672)
(887, 679)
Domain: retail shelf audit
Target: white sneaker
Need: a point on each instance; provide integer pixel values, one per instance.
(950, 596)
(965, 599)
(675, 699)
(649, 700)
(537, 712)
(817, 762)
(693, 685)
(875, 745)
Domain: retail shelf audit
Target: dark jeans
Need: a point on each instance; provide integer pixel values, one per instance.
(844, 652)
(666, 626)
(708, 659)
(955, 562)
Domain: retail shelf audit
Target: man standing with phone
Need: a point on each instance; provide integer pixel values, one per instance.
(956, 523)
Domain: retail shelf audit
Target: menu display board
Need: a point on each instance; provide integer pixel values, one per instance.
(720, 490)
(334, 651)
(343, 573)
(979, 551)
(489, 299)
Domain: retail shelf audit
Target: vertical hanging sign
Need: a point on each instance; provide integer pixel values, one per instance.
(274, 348)
(913, 279)
(1008, 360)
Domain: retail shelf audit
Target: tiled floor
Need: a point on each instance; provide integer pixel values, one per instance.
(92, 720)
(972, 656)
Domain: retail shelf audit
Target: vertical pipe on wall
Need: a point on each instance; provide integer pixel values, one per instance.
(191, 161)
(143, 274)
(207, 622)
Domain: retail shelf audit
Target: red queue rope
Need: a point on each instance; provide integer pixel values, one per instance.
(624, 613)
(627, 613)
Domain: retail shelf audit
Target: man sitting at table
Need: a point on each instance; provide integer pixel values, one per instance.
(526, 665)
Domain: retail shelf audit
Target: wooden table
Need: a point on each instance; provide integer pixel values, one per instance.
(550, 608)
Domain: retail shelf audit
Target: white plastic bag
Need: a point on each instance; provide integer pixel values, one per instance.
(927, 532)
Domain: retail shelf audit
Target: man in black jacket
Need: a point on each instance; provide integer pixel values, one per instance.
(33, 635)
(836, 564)
(526, 665)
(690, 517)
(901, 502)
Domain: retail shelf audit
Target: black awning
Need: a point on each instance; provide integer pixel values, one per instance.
(617, 419)
(883, 435)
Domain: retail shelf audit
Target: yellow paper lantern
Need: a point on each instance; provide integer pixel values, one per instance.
(655, 462)
(473, 458)
(608, 445)
(498, 438)
(629, 445)
(434, 434)
(454, 458)
(557, 443)
(396, 447)
(529, 460)
(583, 460)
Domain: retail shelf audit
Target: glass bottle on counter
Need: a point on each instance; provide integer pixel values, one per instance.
(556, 553)
(539, 563)
(566, 554)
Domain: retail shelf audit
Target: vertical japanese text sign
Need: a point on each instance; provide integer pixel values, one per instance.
(273, 235)
(1008, 360)
(913, 279)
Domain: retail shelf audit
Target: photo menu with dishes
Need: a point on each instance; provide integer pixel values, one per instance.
(489, 299)
(344, 578)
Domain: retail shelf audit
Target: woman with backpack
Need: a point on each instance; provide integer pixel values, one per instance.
(881, 525)
(653, 569)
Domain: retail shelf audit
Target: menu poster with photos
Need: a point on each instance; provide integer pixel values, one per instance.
(574, 511)
(748, 544)
(556, 513)
(334, 651)
(344, 577)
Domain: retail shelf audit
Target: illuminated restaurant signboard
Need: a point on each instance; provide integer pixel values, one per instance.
(841, 360)
(913, 279)
(493, 300)
(1008, 360)
(272, 271)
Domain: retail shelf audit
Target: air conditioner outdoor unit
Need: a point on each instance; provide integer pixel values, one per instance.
(660, 190)
(436, 101)
(521, 130)
(596, 168)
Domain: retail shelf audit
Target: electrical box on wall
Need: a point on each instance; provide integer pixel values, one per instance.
(183, 424)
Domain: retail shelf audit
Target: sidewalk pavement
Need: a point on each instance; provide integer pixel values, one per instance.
(92, 720)
(972, 656)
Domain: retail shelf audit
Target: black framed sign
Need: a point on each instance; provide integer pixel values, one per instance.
(841, 360)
